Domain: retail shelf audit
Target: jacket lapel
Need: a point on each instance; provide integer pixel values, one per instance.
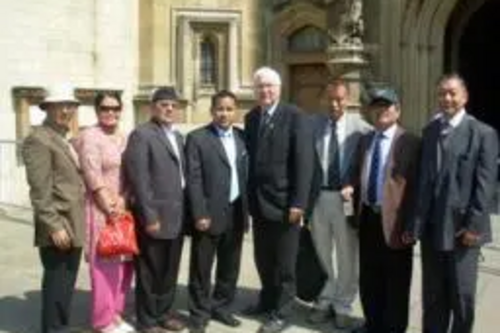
(65, 147)
(319, 135)
(217, 144)
(271, 123)
(390, 157)
(365, 150)
(162, 136)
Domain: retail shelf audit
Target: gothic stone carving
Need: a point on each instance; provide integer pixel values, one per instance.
(347, 25)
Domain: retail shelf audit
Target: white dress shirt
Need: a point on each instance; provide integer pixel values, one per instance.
(386, 143)
(227, 138)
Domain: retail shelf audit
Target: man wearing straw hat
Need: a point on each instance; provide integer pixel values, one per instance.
(57, 194)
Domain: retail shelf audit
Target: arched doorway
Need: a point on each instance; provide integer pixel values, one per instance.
(473, 50)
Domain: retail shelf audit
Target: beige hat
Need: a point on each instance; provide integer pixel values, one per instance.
(62, 93)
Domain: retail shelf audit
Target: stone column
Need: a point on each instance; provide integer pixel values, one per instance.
(346, 50)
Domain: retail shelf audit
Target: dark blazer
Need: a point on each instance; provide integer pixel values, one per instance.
(399, 186)
(280, 158)
(459, 196)
(152, 172)
(56, 187)
(355, 128)
(209, 177)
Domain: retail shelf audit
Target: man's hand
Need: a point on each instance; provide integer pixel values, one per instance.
(407, 238)
(295, 215)
(468, 238)
(61, 239)
(202, 224)
(153, 228)
(347, 193)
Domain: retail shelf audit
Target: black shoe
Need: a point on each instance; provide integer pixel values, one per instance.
(273, 325)
(254, 311)
(227, 319)
(197, 329)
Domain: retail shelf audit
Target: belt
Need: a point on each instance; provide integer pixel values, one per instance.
(330, 188)
(375, 209)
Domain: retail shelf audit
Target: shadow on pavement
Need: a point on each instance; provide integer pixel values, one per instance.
(22, 314)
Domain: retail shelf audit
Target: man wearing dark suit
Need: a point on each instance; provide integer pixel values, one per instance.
(216, 182)
(385, 178)
(154, 165)
(280, 168)
(458, 174)
(336, 137)
(57, 196)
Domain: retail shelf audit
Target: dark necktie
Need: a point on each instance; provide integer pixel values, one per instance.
(265, 118)
(374, 169)
(333, 181)
(445, 129)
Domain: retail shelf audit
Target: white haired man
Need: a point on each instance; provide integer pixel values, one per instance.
(280, 172)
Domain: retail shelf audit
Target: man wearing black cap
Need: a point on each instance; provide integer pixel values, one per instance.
(457, 179)
(154, 166)
(385, 177)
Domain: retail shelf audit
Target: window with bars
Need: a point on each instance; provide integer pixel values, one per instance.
(308, 39)
(208, 61)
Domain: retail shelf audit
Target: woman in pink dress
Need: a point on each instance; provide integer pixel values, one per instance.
(100, 149)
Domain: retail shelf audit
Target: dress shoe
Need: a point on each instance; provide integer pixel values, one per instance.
(320, 316)
(173, 323)
(361, 329)
(344, 321)
(197, 329)
(254, 311)
(154, 329)
(273, 325)
(226, 318)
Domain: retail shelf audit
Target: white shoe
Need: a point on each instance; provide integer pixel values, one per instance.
(125, 327)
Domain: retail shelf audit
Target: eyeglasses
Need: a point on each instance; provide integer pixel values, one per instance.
(107, 108)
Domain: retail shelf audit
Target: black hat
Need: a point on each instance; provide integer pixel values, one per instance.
(387, 95)
(163, 93)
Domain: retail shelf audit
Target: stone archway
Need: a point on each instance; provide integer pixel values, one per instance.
(472, 50)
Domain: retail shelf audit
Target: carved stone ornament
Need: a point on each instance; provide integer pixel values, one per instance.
(347, 25)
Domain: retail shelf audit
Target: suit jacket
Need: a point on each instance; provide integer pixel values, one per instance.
(56, 186)
(355, 128)
(209, 177)
(153, 174)
(280, 162)
(458, 196)
(400, 176)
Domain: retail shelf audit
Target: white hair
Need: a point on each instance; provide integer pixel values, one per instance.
(268, 74)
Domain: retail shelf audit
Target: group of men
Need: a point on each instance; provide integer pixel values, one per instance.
(366, 193)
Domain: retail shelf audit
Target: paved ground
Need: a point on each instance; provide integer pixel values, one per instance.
(20, 295)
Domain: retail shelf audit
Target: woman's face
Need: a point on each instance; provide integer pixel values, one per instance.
(109, 112)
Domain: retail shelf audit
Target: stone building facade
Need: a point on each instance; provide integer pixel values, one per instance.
(200, 46)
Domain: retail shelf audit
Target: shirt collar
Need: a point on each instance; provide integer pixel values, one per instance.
(456, 119)
(389, 133)
(170, 128)
(222, 132)
(271, 109)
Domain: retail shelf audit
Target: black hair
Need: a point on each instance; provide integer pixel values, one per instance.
(220, 95)
(102, 95)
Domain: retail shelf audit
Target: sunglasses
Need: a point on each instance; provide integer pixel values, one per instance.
(106, 108)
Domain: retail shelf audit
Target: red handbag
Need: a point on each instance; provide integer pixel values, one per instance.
(118, 237)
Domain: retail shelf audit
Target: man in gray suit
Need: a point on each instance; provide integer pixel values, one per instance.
(154, 165)
(336, 138)
(458, 173)
(57, 197)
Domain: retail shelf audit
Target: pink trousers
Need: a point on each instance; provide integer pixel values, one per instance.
(110, 282)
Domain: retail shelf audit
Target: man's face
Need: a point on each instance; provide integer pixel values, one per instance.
(267, 91)
(386, 114)
(61, 113)
(338, 98)
(165, 111)
(224, 112)
(452, 96)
